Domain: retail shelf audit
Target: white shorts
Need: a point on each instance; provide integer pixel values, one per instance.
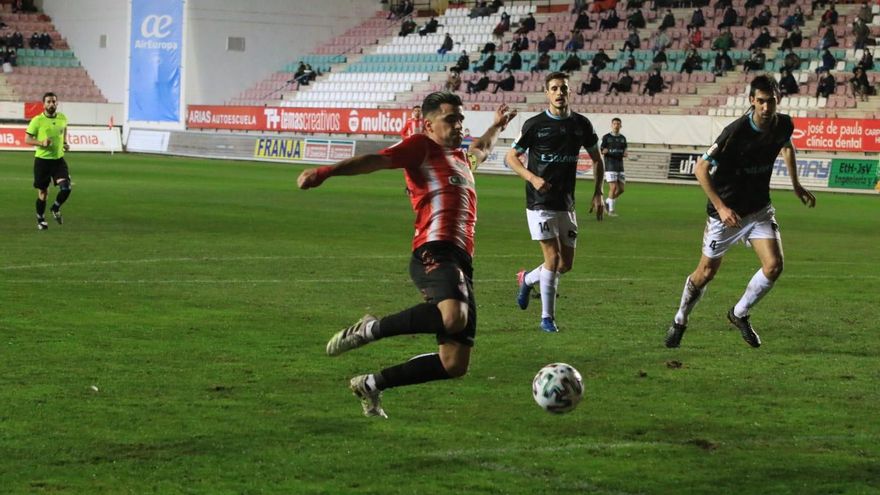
(718, 238)
(615, 177)
(550, 224)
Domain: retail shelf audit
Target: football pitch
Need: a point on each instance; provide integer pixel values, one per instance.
(169, 338)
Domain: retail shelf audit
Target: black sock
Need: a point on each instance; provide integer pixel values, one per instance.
(60, 199)
(421, 318)
(420, 369)
(41, 207)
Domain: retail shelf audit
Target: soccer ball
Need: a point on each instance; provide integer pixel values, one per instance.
(558, 388)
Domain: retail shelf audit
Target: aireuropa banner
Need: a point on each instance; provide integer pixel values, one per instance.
(79, 138)
(155, 60)
(303, 150)
(306, 120)
(836, 134)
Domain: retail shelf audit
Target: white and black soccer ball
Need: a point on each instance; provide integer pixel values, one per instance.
(558, 388)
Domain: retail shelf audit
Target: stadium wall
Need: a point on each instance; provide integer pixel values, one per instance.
(275, 31)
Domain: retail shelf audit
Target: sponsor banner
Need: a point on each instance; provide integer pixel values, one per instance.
(681, 165)
(811, 172)
(836, 134)
(853, 174)
(79, 139)
(304, 120)
(148, 141)
(303, 150)
(155, 60)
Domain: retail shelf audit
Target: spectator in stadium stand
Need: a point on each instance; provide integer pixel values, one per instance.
(548, 43)
(307, 75)
(600, 60)
(514, 63)
(622, 85)
(481, 84)
(722, 4)
(793, 39)
(594, 85)
(629, 64)
(542, 63)
(19, 39)
(693, 61)
(867, 60)
(447, 45)
(782, 4)
(464, 61)
(763, 40)
(34, 42)
(828, 61)
(696, 38)
(489, 47)
(636, 19)
(430, 27)
(610, 21)
(829, 18)
(698, 20)
(481, 9)
(791, 61)
(762, 19)
(660, 60)
(407, 26)
(11, 56)
(796, 18)
(723, 63)
(752, 3)
(654, 84)
(526, 24)
(45, 41)
(668, 21)
(860, 85)
(827, 85)
(756, 61)
(505, 84)
(583, 20)
(865, 13)
(414, 123)
(453, 82)
(729, 18)
(660, 41)
(829, 39)
(576, 42)
(503, 26)
(633, 41)
(572, 63)
(400, 9)
(579, 6)
(861, 32)
(724, 41)
(488, 64)
(520, 43)
(788, 85)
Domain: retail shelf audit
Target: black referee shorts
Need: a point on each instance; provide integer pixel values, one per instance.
(442, 270)
(46, 171)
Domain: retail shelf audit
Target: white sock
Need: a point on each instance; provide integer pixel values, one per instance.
(549, 283)
(371, 382)
(534, 276)
(690, 296)
(758, 287)
(611, 204)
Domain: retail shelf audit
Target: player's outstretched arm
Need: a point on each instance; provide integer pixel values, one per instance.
(597, 204)
(484, 144)
(788, 156)
(363, 164)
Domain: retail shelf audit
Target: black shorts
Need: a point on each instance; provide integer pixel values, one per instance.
(441, 271)
(46, 171)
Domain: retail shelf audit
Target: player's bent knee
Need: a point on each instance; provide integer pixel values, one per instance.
(455, 321)
(64, 185)
(456, 370)
(564, 268)
(773, 270)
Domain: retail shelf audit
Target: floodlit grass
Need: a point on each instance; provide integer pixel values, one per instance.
(197, 297)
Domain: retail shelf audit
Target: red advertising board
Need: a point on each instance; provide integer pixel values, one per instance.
(32, 109)
(12, 138)
(302, 120)
(836, 134)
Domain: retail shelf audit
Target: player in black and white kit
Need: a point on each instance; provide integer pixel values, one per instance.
(553, 140)
(735, 175)
(613, 149)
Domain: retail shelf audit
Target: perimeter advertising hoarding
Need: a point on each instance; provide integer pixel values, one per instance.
(302, 120)
(303, 150)
(79, 138)
(813, 172)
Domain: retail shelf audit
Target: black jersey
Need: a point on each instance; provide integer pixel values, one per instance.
(742, 159)
(554, 145)
(616, 146)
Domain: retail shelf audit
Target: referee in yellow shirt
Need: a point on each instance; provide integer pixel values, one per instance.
(48, 132)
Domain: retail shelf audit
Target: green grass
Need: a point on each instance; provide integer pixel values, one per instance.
(198, 296)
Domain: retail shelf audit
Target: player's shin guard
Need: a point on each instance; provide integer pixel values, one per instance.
(63, 194)
(758, 287)
(421, 318)
(420, 369)
(690, 296)
(41, 207)
(549, 284)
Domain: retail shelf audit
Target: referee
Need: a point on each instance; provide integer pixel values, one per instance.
(48, 132)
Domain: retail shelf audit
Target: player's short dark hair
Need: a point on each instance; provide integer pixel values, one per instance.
(432, 102)
(417, 106)
(48, 94)
(766, 84)
(617, 119)
(554, 75)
